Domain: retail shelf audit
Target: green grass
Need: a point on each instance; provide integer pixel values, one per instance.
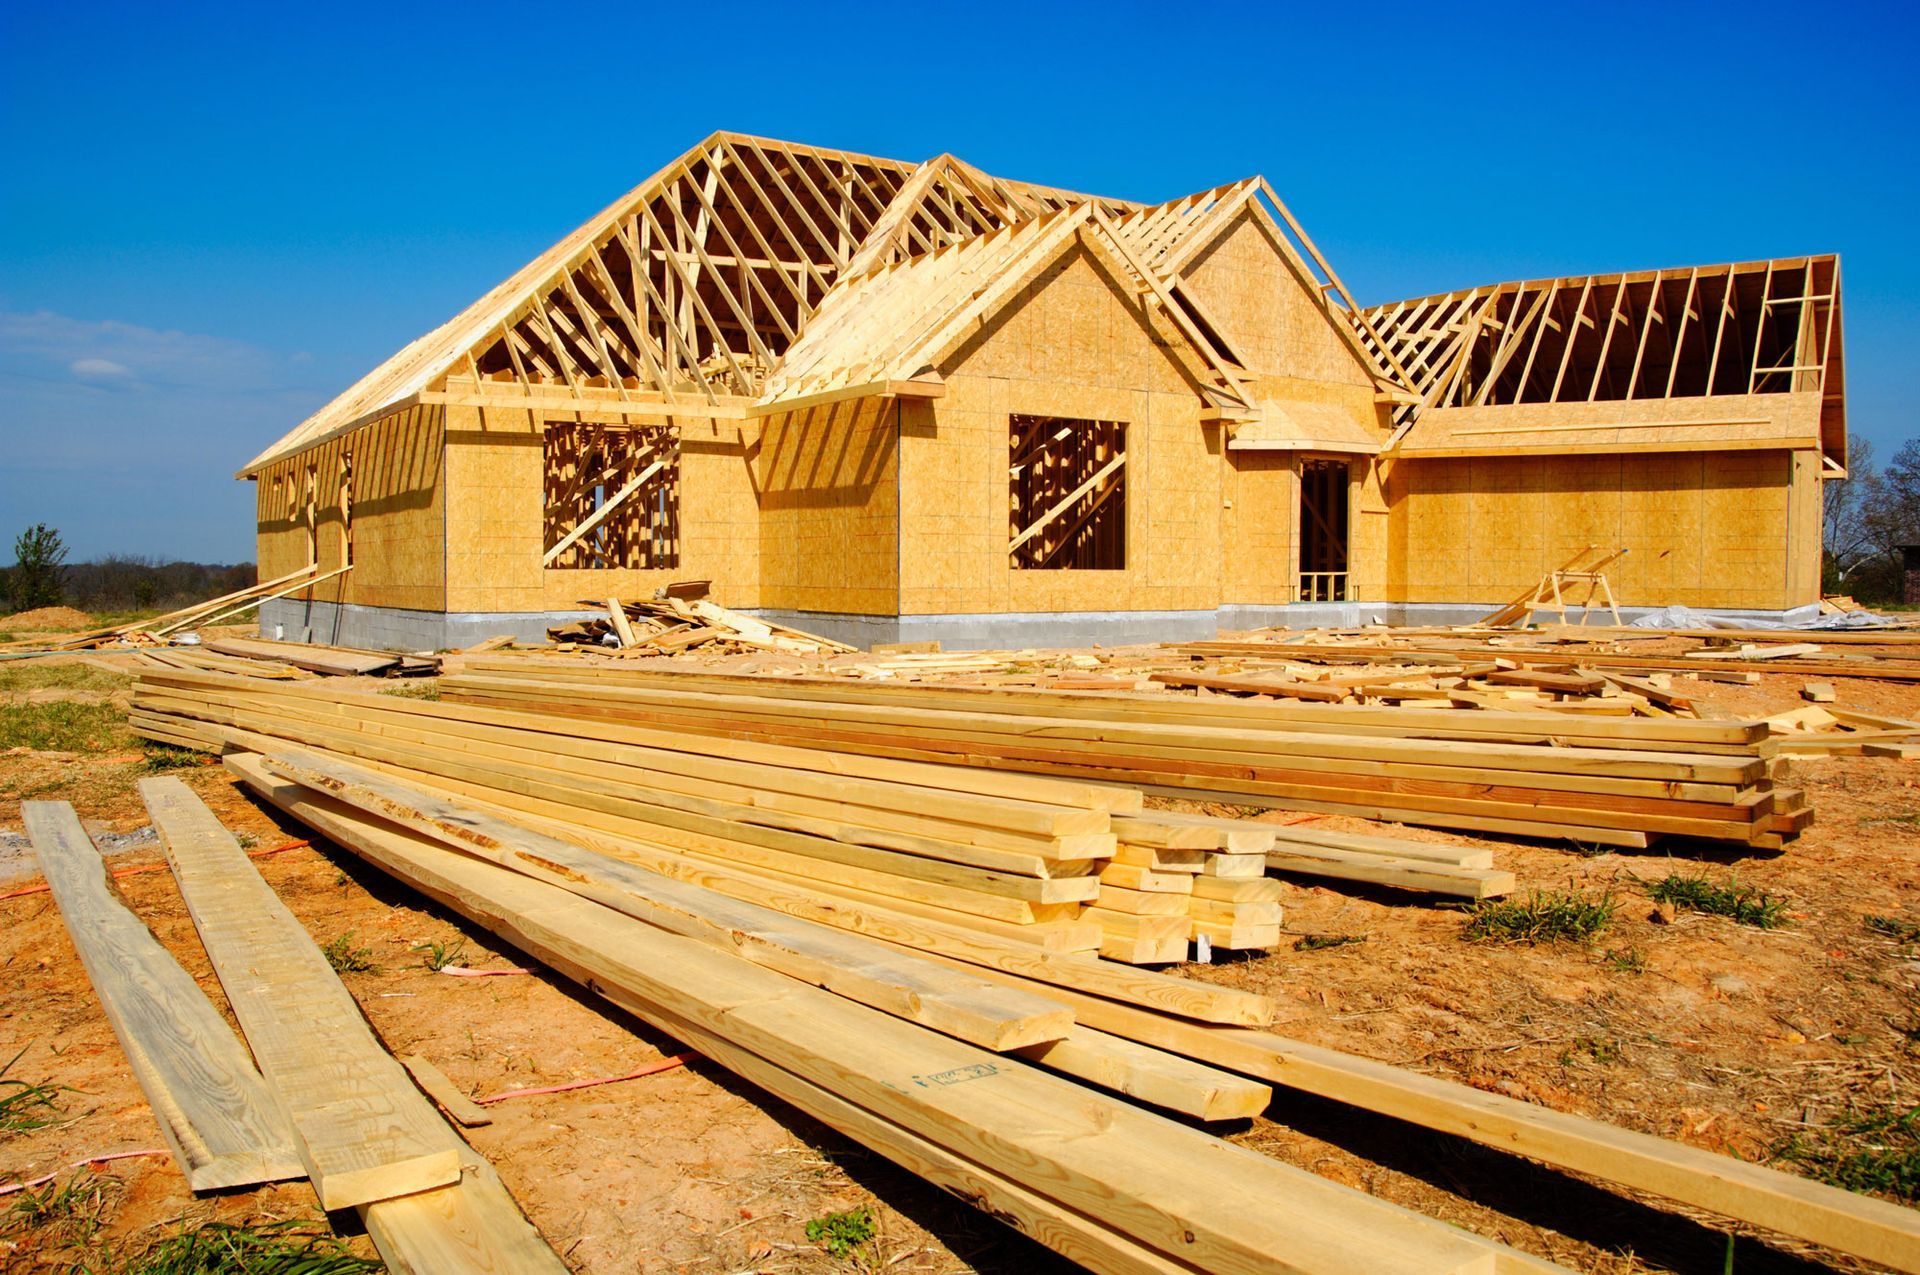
(1593, 1048)
(288, 1247)
(1894, 928)
(1556, 917)
(841, 1233)
(348, 959)
(415, 690)
(25, 1105)
(42, 675)
(162, 758)
(64, 727)
(440, 955)
(1626, 960)
(1875, 1151)
(1321, 942)
(1745, 905)
(60, 1212)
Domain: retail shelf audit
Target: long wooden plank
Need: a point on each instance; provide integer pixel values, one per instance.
(964, 1007)
(1043, 751)
(1335, 719)
(363, 1131)
(1882, 669)
(316, 659)
(1180, 997)
(1172, 1189)
(1767, 1198)
(221, 1122)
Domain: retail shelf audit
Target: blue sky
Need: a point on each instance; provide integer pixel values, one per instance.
(214, 217)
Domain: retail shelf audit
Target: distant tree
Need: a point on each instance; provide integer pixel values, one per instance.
(1848, 539)
(35, 578)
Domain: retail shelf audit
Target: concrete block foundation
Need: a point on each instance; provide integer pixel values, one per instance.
(393, 629)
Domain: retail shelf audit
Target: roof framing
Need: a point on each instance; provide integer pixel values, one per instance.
(1743, 328)
(687, 296)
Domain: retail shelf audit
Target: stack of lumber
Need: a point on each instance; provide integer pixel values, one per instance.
(864, 1036)
(1012, 855)
(1598, 780)
(1889, 655)
(671, 625)
(328, 661)
(1112, 1186)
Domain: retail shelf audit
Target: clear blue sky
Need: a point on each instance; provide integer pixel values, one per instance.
(214, 217)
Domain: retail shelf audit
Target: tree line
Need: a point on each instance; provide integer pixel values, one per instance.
(1869, 515)
(41, 576)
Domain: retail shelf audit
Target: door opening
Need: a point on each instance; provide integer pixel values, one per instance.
(1323, 531)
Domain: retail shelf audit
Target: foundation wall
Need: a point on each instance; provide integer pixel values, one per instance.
(397, 514)
(496, 531)
(1729, 530)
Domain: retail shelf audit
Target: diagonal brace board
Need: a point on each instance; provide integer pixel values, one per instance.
(1040, 524)
(220, 1120)
(593, 519)
(364, 1132)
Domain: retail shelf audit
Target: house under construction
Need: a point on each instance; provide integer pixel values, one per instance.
(887, 401)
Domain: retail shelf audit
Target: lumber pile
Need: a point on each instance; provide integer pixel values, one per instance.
(1594, 779)
(1093, 1176)
(1825, 729)
(670, 625)
(1024, 1130)
(1016, 856)
(1888, 655)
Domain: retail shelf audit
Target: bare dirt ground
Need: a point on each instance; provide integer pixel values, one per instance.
(1695, 1028)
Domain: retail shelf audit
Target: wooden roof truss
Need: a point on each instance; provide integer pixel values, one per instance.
(1756, 327)
(689, 296)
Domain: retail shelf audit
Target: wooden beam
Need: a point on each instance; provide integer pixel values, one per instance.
(1034, 528)
(224, 1127)
(363, 1132)
(594, 519)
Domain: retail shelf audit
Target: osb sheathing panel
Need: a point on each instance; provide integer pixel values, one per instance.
(1073, 345)
(1704, 529)
(495, 526)
(1259, 528)
(829, 508)
(1247, 288)
(1723, 422)
(399, 543)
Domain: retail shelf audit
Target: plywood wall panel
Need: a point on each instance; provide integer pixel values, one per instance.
(828, 485)
(1075, 344)
(496, 528)
(398, 514)
(1703, 529)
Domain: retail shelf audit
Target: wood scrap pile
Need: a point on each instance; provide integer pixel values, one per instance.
(1828, 730)
(972, 1059)
(154, 631)
(670, 625)
(1612, 653)
(1592, 779)
(286, 661)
